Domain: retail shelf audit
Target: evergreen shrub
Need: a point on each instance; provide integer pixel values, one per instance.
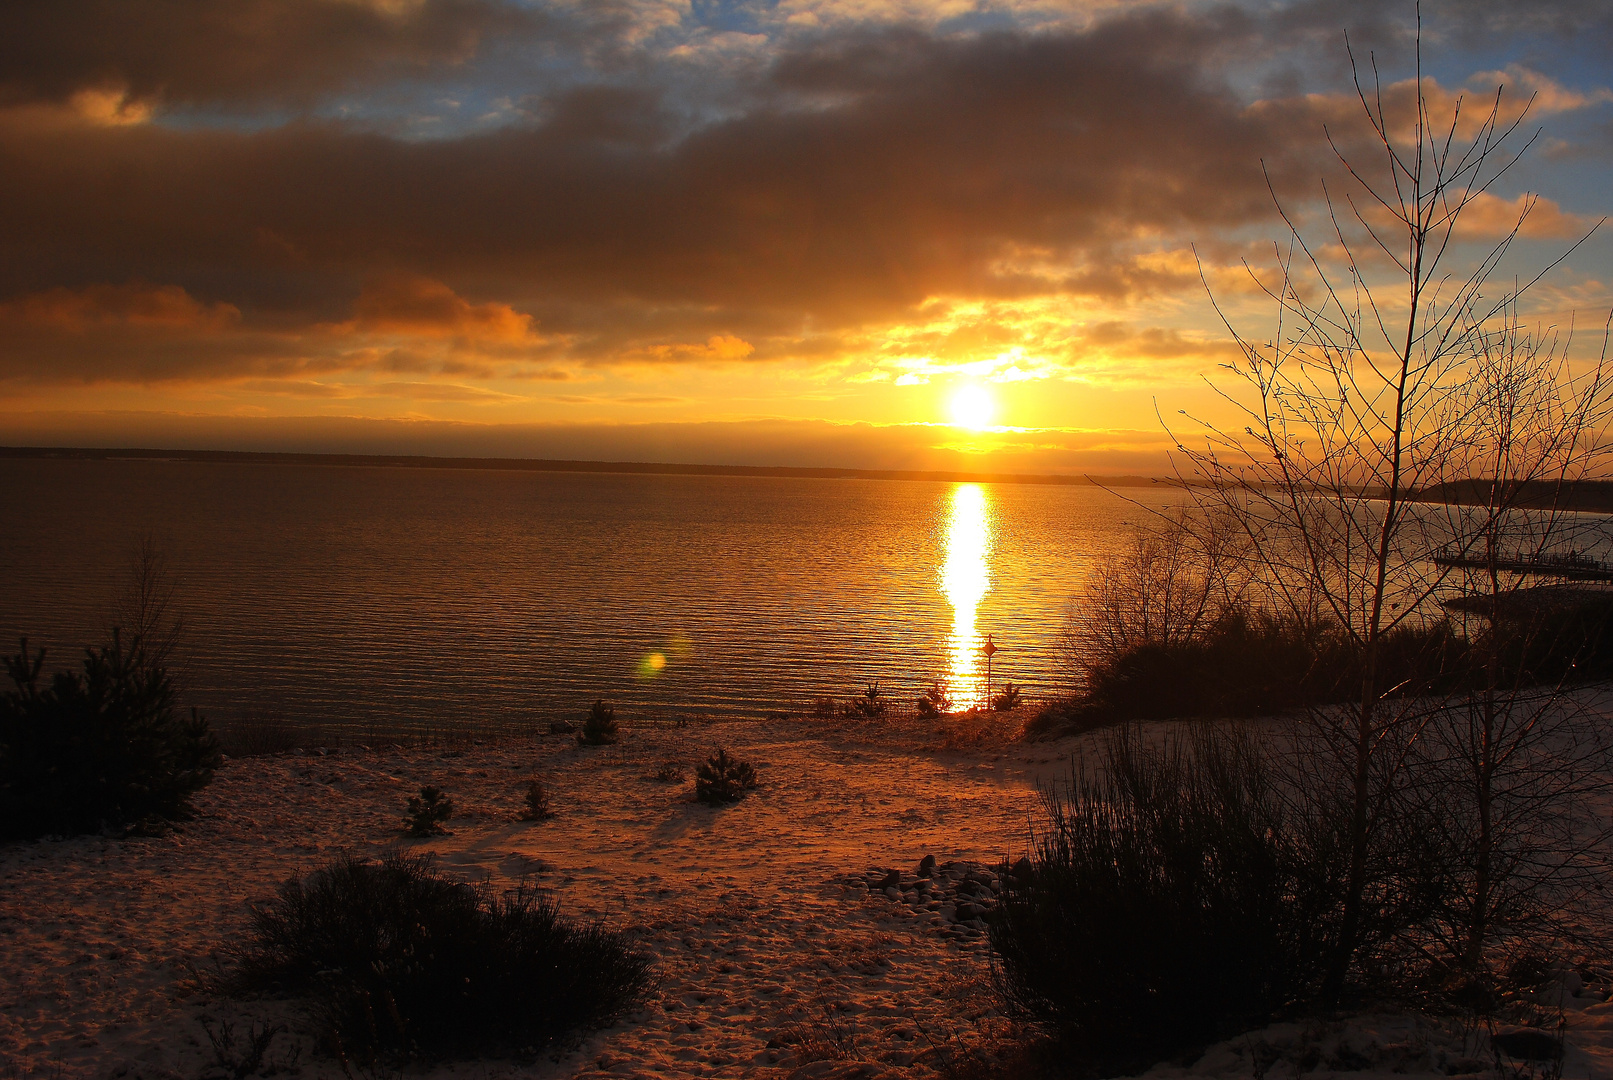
(537, 803)
(1008, 699)
(601, 728)
(935, 701)
(427, 811)
(721, 779)
(868, 704)
(107, 748)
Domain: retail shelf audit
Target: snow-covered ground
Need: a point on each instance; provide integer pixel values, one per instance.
(769, 945)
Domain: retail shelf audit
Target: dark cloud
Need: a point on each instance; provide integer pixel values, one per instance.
(847, 177)
(878, 168)
(135, 332)
(240, 52)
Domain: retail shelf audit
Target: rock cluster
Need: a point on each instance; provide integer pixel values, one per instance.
(956, 896)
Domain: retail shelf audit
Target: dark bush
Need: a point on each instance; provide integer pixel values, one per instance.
(537, 803)
(935, 701)
(400, 959)
(1245, 664)
(1248, 663)
(601, 728)
(107, 748)
(669, 772)
(1551, 634)
(722, 779)
(427, 811)
(1171, 902)
(825, 708)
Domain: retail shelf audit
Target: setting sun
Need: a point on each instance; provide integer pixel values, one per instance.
(973, 407)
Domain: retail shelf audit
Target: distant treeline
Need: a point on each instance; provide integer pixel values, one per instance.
(1595, 496)
(399, 461)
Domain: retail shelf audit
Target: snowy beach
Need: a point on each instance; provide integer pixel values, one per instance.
(777, 949)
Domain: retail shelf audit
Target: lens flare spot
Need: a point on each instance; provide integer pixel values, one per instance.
(651, 665)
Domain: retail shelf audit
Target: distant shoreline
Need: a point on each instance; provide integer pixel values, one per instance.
(1585, 496)
(405, 461)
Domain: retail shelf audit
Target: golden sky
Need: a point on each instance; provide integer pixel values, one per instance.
(911, 234)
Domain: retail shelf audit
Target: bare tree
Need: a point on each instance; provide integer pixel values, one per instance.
(1392, 373)
(145, 612)
(1513, 762)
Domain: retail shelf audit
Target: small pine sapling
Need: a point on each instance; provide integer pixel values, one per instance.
(537, 803)
(427, 812)
(601, 727)
(722, 779)
(1008, 699)
(935, 701)
(670, 772)
(869, 703)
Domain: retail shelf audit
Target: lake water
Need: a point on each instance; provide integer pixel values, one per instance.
(389, 598)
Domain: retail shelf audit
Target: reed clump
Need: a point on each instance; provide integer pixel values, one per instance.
(668, 772)
(262, 732)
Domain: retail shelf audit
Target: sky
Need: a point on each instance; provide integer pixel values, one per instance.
(855, 233)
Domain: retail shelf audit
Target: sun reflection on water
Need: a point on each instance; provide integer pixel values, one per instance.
(965, 580)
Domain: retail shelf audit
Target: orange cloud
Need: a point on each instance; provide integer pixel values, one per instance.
(1490, 217)
(1548, 95)
(110, 106)
(134, 305)
(407, 304)
(412, 391)
(716, 347)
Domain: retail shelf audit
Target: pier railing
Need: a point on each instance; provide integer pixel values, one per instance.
(1563, 564)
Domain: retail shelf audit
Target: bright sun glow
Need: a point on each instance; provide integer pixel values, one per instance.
(973, 407)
